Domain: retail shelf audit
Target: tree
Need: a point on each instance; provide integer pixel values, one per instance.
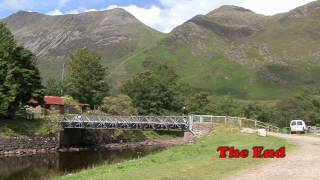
(87, 77)
(119, 105)
(71, 106)
(19, 77)
(259, 112)
(197, 103)
(252, 110)
(303, 106)
(53, 88)
(226, 106)
(7, 46)
(154, 92)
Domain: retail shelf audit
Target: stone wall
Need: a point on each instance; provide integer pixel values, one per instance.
(27, 145)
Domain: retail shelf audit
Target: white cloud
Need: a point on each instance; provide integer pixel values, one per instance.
(152, 16)
(176, 12)
(81, 10)
(31, 4)
(55, 12)
(271, 7)
(91, 10)
(74, 11)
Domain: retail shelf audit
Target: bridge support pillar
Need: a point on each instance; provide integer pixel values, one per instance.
(70, 138)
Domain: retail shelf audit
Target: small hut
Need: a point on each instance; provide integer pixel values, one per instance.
(53, 103)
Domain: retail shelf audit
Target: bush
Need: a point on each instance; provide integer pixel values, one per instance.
(71, 105)
(118, 105)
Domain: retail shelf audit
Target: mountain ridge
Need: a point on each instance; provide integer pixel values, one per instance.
(247, 55)
(229, 51)
(114, 34)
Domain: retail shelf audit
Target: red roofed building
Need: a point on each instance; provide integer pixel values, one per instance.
(33, 103)
(54, 103)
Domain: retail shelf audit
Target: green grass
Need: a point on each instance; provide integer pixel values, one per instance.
(196, 161)
(218, 74)
(22, 127)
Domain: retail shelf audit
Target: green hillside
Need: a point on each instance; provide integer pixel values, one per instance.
(114, 34)
(266, 58)
(230, 51)
(218, 74)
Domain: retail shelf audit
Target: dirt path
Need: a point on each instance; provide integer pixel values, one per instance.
(302, 164)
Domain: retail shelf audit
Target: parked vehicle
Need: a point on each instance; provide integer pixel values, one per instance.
(298, 126)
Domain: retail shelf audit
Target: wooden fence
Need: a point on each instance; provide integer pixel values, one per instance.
(235, 122)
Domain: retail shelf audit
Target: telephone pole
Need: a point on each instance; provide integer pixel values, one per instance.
(62, 77)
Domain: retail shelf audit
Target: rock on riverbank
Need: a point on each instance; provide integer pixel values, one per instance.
(19, 146)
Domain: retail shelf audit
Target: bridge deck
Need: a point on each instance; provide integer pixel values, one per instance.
(159, 123)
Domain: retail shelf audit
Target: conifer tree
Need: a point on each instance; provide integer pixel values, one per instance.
(87, 81)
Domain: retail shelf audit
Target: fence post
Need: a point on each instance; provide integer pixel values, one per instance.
(225, 121)
(240, 122)
(255, 124)
(201, 119)
(190, 122)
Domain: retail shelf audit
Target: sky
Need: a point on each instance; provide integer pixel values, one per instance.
(163, 15)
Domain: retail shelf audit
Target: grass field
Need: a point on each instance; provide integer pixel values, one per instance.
(195, 161)
(218, 74)
(23, 127)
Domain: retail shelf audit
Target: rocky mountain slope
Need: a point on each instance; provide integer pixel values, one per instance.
(114, 34)
(234, 51)
(230, 51)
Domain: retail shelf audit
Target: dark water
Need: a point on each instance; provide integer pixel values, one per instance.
(44, 166)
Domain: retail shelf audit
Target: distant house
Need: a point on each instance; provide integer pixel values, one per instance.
(56, 105)
(33, 103)
(53, 103)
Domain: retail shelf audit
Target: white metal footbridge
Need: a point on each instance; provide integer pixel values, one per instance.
(158, 123)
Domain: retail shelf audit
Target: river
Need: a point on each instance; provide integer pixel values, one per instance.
(46, 166)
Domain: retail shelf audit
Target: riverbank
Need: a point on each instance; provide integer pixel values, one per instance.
(20, 137)
(162, 143)
(189, 161)
(48, 165)
(25, 146)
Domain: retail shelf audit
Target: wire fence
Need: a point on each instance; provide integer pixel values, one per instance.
(235, 122)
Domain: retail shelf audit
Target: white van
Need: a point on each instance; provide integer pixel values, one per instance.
(298, 126)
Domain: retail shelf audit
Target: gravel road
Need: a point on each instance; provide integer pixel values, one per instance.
(302, 163)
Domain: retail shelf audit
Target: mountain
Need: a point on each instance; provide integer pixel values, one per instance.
(229, 51)
(234, 51)
(114, 34)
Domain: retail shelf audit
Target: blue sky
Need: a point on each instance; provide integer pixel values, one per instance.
(162, 15)
(8, 7)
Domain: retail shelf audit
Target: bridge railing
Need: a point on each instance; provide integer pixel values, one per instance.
(235, 122)
(170, 123)
(161, 123)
